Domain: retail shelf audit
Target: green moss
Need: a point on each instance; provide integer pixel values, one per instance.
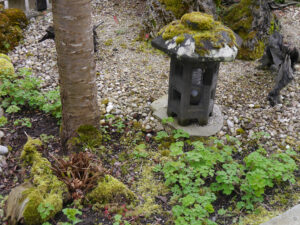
(10, 32)
(177, 7)
(4, 22)
(46, 186)
(16, 17)
(5, 57)
(108, 42)
(201, 27)
(274, 26)
(239, 18)
(180, 39)
(110, 190)
(148, 188)
(198, 21)
(252, 54)
(6, 67)
(88, 137)
(218, 3)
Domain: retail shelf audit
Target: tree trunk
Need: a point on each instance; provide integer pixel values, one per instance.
(77, 78)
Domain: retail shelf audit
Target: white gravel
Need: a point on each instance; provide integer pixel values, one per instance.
(131, 74)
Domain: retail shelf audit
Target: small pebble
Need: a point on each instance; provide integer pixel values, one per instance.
(3, 150)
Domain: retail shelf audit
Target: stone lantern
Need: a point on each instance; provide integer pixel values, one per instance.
(196, 44)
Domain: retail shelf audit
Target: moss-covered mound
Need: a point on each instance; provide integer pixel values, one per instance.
(109, 191)
(6, 67)
(16, 17)
(11, 22)
(206, 32)
(252, 21)
(46, 189)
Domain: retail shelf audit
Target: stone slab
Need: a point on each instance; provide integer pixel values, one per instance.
(215, 123)
(290, 217)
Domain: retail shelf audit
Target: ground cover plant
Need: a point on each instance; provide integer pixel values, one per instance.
(23, 90)
(181, 180)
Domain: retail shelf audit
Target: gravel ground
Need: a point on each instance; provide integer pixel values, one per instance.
(131, 75)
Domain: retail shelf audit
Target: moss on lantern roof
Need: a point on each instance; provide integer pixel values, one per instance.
(203, 28)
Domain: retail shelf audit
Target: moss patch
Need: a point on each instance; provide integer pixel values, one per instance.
(16, 17)
(239, 18)
(177, 7)
(110, 190)
(252, 54)
(11, 22)
(149, 188)
(6, 67)
(46, 186)
(202, 28)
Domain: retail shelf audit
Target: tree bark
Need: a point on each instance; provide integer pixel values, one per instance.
(77, 78)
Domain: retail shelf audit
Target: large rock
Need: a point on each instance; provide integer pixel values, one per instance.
(23, 201)
(161, 12)
(253, 21)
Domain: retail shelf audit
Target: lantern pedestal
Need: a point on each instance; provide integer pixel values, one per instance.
(213, 126)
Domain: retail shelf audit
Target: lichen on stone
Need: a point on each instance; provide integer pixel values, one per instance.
(202, 28)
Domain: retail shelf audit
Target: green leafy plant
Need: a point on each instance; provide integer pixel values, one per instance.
(119, 125)
(71, 214)
(140, 151)
(3, 121)
(22, 89)
(46, 138)
(45, 209)
(188, 172)
(161, 135)
(179, 133)
(118, 220)
(167, 120)
(23, 122)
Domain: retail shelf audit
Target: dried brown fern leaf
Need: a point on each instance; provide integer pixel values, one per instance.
(80, 172)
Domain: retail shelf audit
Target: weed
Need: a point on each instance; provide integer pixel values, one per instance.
(23, 122)
(140, 151)
(3, 121)
(71, 215)
(45, 210)
(161, 135)
(167, 120)
(118, 220)
(46, 138)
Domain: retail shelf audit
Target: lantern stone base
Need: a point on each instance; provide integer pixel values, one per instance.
(215, 122)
